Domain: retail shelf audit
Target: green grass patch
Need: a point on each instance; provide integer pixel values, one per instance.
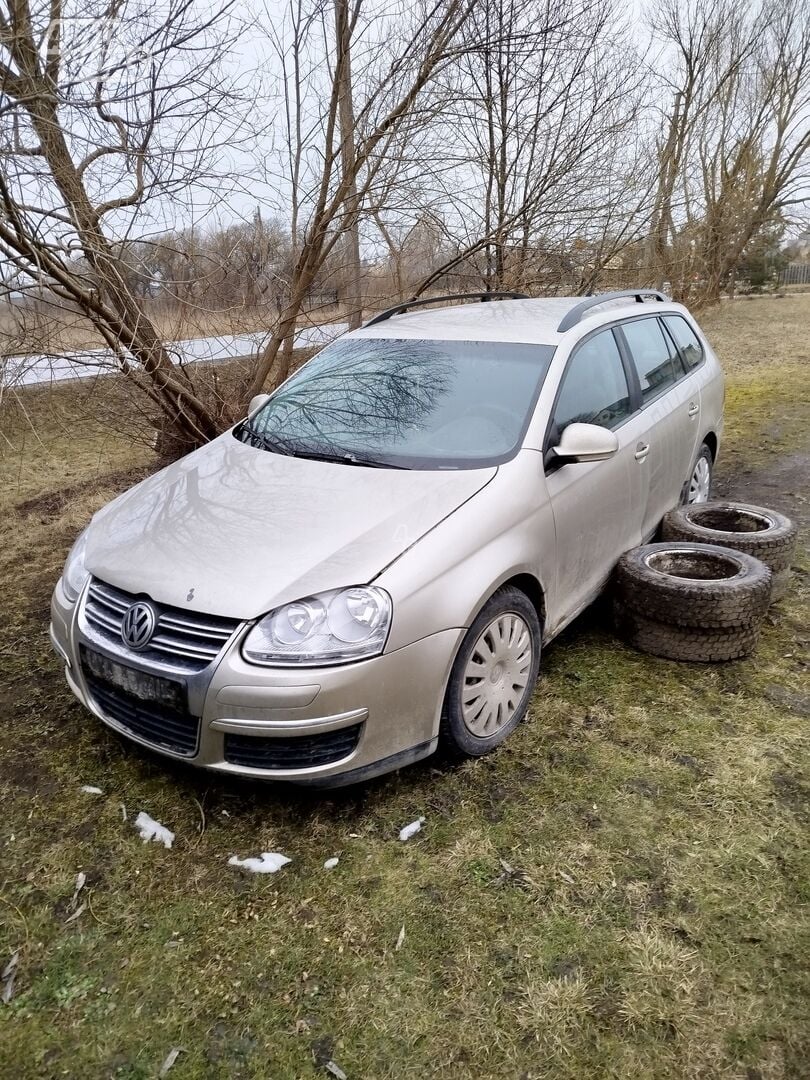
(623, 890)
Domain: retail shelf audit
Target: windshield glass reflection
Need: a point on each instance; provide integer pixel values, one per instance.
(405, 403)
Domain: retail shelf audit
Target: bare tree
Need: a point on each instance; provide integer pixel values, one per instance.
(400, 57)
(109, 113)
(733, 154)
(542, 140)
(346, 124)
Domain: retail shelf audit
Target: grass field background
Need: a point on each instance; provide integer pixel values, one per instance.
(623, 890)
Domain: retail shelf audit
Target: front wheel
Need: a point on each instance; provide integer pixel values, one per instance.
(493, 676)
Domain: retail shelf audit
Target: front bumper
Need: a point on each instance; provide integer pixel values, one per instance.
(390, 704)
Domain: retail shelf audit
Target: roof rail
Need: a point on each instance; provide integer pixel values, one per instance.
(400, 309)
(572, 317)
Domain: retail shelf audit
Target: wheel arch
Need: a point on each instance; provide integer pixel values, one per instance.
(528, 584)
(710, 439)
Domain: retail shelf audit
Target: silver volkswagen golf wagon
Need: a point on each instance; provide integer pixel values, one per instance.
(370, 563)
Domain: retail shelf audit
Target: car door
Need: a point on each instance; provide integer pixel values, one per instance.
(597, 506)
(692, 357)
(670, 401)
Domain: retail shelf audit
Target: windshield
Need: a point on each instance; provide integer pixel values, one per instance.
(406, 403)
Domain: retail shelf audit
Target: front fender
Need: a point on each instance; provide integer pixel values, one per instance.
(443, 580)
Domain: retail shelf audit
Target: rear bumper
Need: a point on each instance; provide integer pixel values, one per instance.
(377, 714)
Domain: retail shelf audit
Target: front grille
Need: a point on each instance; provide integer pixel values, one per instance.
(184, 640)
(158, 724)
(299, 752)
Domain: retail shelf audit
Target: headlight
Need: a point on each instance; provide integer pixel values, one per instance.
(75, 573)
(330, 628)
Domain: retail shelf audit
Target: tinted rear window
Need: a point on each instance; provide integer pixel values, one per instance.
(686, 339)
(653, 357)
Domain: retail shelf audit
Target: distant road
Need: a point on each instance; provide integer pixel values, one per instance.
(59, 367)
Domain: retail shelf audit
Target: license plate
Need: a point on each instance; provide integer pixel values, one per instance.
(138, 683)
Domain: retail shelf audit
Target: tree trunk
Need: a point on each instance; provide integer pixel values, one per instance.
(183, 412)
(346, 124)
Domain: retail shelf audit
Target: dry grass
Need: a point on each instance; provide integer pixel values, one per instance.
(621, 891)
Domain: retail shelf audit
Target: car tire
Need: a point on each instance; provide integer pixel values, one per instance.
(698, 488)
(765, 534)
(693, 585)
(495, 669)
(692, 644)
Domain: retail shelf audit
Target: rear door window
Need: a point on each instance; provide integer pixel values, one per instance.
(686, 339)
(657, 366)
(594, 387)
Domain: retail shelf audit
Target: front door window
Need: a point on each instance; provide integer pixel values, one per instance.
(594, 388)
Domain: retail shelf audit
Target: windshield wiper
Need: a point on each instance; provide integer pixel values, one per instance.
(346, 458)
(278, 446)
(260, 439)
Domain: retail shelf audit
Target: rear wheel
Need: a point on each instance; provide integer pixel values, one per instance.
(493, 676)
(699, 485)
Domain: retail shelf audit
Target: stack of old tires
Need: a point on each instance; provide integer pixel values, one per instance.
(703, 592)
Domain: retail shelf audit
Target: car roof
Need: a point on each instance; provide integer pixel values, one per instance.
(529, 321)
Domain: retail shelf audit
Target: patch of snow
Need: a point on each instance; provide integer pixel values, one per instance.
(8, 988)
(171, 1058)
(268, 862)
(330, 864)
(81, 881)
(89, 789)
(7, 978)
(80, 910)
(153, 830)
(412, 829)
(59, 367)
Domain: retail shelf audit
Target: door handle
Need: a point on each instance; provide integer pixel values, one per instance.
(641, 451)
(694, 408)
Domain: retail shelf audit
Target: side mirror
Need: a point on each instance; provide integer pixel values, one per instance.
(257, 402)
(586, 442)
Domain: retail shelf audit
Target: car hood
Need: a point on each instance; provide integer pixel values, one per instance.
(233, 530)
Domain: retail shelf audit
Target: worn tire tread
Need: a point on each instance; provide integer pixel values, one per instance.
(684, 643)
(774, 546)
(722, 604)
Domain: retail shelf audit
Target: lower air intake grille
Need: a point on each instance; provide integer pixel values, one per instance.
(299, 752)
(158, 724)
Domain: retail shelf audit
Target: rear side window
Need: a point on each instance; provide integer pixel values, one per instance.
(594, 388)
(685, 338)
(657, 367)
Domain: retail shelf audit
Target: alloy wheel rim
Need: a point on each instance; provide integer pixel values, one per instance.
(496, 675)
(700, 482)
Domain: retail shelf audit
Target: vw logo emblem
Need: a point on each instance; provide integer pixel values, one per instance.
(138, 625)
